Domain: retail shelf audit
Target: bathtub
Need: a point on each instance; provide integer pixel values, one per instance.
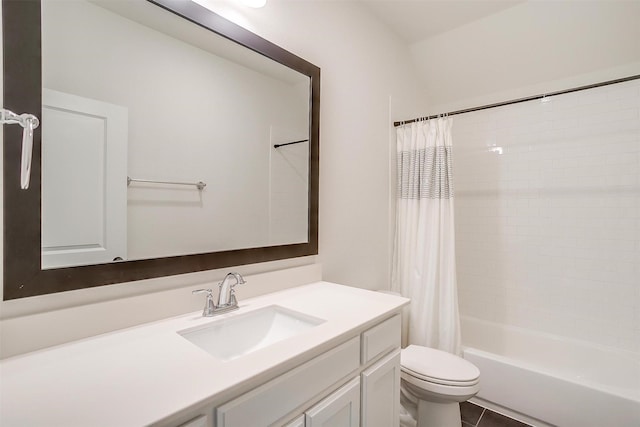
(545, 380)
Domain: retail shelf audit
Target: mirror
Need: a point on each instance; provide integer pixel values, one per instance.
(187, 107)
(172, 141)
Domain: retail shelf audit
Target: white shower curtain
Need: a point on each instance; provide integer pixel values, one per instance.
(424, 267)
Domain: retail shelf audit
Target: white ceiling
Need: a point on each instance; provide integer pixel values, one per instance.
(416, 20)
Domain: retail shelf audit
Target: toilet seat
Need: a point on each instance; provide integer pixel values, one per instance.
(438, 382)
(438, 367)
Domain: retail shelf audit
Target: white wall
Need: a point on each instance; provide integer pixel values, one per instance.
(548, 215)
(367, 81)
(531, 48)
(509, 271)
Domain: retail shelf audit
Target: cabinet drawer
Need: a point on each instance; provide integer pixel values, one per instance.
(275, 399)
(298, 422)
(381, 339)
(200, 421)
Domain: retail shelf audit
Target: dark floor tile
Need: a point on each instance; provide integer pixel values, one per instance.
(467, 424)
(470, 413)
(492, 419)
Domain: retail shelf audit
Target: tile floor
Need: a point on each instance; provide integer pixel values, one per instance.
(477, 416)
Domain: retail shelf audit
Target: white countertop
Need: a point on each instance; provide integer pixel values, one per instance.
(141, 375)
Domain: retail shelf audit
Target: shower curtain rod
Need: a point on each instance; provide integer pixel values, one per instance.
(517, 101)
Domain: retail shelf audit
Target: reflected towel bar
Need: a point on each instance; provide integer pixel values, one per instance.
(289, 143)
(200, 185)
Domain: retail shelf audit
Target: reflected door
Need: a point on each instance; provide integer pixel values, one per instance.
(84, 191)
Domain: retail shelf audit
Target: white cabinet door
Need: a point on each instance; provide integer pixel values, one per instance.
(84, 180)
(340, 409)
(381, 393)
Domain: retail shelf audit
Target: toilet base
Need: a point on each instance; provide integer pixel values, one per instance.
(432, 414)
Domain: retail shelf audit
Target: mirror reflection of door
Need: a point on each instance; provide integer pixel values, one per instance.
(198, 108)
(84, 193)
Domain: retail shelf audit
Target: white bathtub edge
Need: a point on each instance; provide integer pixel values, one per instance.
(523, 390)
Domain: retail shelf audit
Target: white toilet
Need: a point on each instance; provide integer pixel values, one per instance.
(438, 381)
(434, 383)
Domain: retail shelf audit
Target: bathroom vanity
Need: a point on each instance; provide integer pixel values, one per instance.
(316, 355)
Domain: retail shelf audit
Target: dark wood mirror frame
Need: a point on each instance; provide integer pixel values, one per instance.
(23, 275)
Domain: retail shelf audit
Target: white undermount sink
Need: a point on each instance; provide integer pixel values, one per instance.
(244, 333)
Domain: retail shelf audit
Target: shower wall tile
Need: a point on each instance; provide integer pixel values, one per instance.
(548, 215)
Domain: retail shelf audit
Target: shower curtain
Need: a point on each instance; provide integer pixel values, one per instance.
(424, 267)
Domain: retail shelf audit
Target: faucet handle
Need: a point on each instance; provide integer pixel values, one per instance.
(209, 292)
(209, 306)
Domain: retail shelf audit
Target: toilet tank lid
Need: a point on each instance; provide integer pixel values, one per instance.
(438, 364)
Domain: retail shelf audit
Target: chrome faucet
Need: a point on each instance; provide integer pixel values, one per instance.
(226, 296)
(227, 293)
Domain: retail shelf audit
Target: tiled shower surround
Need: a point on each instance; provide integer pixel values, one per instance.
(548, 215)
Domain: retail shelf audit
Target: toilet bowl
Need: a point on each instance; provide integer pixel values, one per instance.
(437, 381)
(433, 383)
